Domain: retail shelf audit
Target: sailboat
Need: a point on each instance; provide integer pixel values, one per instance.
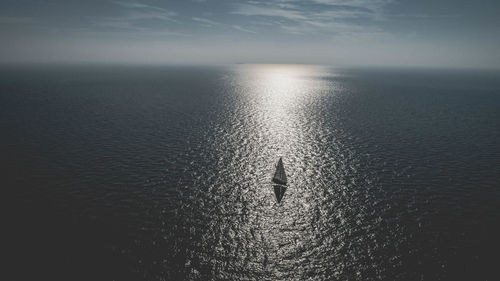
(279, 180)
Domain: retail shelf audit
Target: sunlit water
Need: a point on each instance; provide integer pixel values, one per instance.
(164, 173)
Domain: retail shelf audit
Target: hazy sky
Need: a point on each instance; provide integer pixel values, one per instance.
(439, 33)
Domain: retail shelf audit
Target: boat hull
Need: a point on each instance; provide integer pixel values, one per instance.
(279, 191)
(279, 182)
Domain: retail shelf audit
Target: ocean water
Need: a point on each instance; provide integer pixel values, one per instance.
(163, 173)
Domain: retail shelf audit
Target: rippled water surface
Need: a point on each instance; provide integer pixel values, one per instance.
(163, 173)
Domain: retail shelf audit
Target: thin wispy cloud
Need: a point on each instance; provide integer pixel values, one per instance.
(363, 4)
(237, 27)
(333, 16)
(254, 10)
(139, 11)
(139, 17)
(205, 22)
(142, 6)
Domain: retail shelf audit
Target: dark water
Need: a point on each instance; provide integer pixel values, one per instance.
(129, 173)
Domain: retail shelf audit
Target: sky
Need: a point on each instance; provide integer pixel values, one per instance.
(424, 33)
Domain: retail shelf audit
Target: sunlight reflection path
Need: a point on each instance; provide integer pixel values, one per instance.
(270, 111)
(278, 98)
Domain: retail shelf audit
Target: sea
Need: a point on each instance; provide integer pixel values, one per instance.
(116, 172)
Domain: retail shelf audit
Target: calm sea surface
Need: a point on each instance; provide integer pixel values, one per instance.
(163, 173)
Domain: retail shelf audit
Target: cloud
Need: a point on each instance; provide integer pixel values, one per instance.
(139, 17)
(205, 21)
(137, 5)
(317, 16)
(139, 11)
(243, 29)
(370, 4)
(253, 10)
